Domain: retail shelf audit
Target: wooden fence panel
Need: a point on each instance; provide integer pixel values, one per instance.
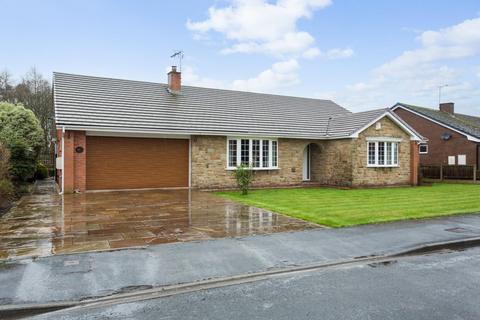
(430, 172)
(450, 172)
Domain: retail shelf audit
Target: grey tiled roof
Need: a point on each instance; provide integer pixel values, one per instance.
(348, 124)
(114, 104)
(464, 123)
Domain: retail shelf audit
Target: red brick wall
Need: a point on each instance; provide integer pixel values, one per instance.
(58, 155)
(414, 162)
(439, 149)
(74, 163)
(80, 161)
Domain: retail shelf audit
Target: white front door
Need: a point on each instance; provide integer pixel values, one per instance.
(306, 163)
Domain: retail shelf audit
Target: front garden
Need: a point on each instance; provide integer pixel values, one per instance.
(339, 208)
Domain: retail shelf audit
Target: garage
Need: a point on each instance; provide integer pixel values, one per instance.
(134, 163)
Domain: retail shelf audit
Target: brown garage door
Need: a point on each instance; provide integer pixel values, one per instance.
(132, 163)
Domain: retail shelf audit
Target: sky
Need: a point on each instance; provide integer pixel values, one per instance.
(361, 54)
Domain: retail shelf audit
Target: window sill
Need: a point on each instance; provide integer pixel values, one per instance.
(255, 169)
(380, 166)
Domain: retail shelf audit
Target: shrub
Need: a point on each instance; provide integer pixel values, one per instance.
(21, 132)
(4, 162)
(41, 172)
(6, 189)
(244, 177)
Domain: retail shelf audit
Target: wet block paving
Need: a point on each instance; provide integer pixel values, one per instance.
(47, 224)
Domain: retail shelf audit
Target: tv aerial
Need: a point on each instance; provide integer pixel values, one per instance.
(178, 54)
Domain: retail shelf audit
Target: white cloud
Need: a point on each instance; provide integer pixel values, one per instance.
(268, 27)
(281, 74)
(312, 53)
(414, 76)
(459, 41)
(332, 54)
(191, 77)
(339, 54)
(260, 26)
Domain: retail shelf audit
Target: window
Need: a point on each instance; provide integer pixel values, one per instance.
(265, 153)
(423, 149)
(382, 154)
(451, 160)
(371, 153)
(274, 153)
(395, 153)
(232, 153)
(257, 153)
(245, 152)
(389, 154)
(462, 160)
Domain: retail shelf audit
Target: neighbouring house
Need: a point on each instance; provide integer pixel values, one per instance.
(453, 138)
(122, 134)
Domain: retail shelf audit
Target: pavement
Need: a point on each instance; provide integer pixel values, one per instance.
(437, 286)
(64, 278)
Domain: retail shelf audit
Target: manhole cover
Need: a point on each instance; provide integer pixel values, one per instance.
(71, 263)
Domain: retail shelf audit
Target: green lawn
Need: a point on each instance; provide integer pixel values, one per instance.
(340, 208)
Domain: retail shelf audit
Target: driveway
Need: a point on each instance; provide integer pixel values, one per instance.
(46, 223)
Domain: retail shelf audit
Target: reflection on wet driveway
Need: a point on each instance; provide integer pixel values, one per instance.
(50, 224)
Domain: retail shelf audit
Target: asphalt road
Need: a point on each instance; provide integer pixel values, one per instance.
(435, 286)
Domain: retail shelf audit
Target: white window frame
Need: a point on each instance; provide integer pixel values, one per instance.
(394, 152)
(451, 160)
(250, 155)
(462, 157)
(420, 149)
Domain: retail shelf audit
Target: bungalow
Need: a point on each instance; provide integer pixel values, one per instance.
(122, 134)
(453, 138)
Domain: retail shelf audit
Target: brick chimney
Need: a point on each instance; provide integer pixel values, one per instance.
(448, 107)
(174, 80)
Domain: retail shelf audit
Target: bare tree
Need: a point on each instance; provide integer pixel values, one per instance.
(7, 92)
(35, 93)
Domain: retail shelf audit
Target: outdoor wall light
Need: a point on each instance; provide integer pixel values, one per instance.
(79, 149)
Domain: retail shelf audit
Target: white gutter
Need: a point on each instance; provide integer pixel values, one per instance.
(96, 130)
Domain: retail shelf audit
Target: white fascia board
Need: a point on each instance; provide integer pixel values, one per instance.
(469, 137)
(99, 130)
(136, 135)
(413, 135)
(387, 139)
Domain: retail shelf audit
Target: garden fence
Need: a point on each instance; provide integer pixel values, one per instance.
(443, 172)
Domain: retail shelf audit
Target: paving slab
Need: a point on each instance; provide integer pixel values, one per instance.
(80, 276)
(46, 223)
